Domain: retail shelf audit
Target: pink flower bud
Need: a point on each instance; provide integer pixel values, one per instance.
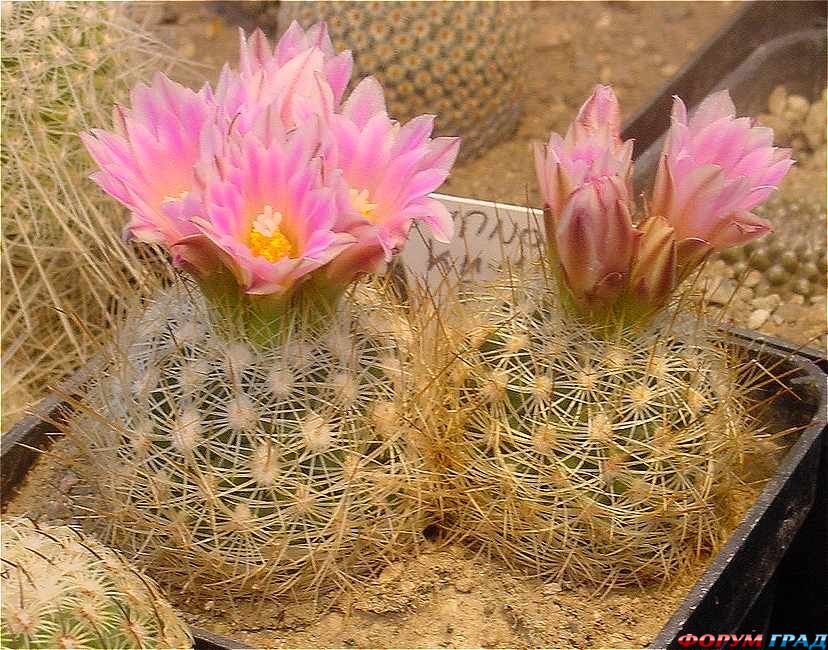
(595, 241)
(591, 149)
(653, 276)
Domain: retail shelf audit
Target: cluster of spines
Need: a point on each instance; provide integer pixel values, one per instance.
(66, 272)
(596, 456)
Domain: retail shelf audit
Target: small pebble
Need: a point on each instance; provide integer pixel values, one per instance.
(69, 479)
(770, 302)
(669, 69)
(753, 278)
(758, 318)
(798, 107)
(464, 585)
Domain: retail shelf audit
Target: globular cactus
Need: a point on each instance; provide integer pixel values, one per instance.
(251, 469)
(62, 589)
(461, 61)
(791, 260)
(64, 64)
(591, 455)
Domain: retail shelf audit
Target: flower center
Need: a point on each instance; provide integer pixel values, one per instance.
(359, 199)
(266, 240)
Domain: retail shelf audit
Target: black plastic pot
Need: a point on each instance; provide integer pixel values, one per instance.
(732, 596)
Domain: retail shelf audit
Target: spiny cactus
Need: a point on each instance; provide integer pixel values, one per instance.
(592, 456)
(64, 64)
(250, 469)
(62, 589)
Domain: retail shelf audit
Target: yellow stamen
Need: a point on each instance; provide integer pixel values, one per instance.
(266, 239)
(359, 199)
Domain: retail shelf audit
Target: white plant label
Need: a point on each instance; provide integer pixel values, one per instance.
(486, 235)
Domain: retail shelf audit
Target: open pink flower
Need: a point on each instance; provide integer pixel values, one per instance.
(282, 87)
(592, 148)
(595, 241)
(147, 163)
(268, 214)
(387, 171)
(714, 169)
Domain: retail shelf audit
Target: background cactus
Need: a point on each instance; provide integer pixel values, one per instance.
(790, 260)
(250, 470)
(62, 589)
(461, 61)
(592, 457)
(66, 273)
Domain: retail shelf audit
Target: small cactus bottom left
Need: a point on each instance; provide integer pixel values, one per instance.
(62, 589)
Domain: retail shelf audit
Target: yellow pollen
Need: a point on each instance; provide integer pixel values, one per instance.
(359, 199)
(266, 239)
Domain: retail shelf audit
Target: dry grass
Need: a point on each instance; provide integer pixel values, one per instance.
(66, 274)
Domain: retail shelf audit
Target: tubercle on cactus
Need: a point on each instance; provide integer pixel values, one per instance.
(62, 589)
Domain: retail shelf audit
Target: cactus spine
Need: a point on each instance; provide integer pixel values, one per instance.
(64, 590)
(64, 64)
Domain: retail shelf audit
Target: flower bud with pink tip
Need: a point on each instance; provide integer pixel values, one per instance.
(714, 169)
(283, 86)
(595, 241)
(653, 276)
(591, 149)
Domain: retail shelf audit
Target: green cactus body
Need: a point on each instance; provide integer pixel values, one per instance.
(64, 65)
(254, 469)
(62, 589)
(605, 459)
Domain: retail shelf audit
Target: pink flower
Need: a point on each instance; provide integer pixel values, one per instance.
(387, 173)
(268, 215)
(284, 87)
(595, 241)
(714, 169)
(591, 149)
(147, 163)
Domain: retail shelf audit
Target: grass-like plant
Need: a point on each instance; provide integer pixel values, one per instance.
(66, 274)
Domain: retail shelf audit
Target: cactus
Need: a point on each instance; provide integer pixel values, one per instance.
(462, 61)
(63, 64)
(254, 470)
(62, 589)
(601, 457)
(791, 260)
